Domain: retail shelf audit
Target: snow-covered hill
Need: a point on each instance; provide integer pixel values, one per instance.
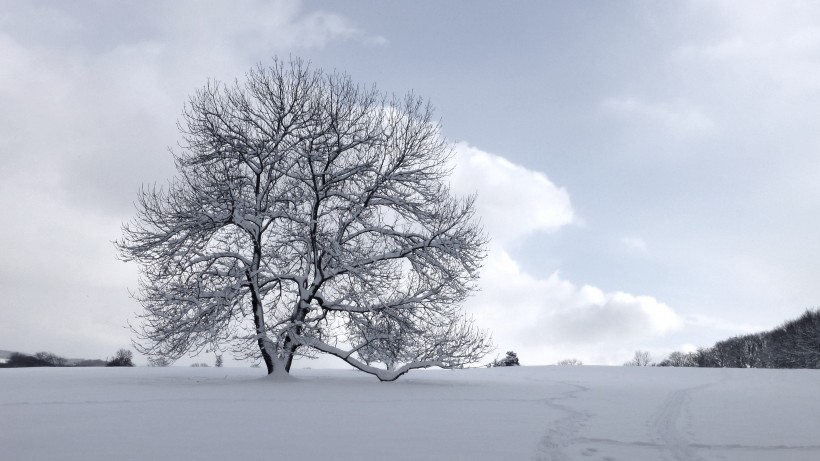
(546, 413)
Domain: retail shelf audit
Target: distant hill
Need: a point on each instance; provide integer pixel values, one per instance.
(87, 363)
(5, 354)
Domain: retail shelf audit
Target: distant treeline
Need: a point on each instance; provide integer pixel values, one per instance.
(47, 359)
(795, 344)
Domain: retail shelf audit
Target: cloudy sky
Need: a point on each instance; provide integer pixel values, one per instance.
(648, 171)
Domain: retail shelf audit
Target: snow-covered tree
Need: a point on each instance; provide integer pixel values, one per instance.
(509, 360)
(640, 359)
(309, 214)
(680, 359)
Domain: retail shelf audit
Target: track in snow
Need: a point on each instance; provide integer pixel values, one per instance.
(665, 427)
(563, 431)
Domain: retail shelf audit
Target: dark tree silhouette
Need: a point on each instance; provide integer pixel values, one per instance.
(123, 358)
(509, 360)
(795, 344)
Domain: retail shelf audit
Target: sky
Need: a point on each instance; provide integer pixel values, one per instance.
(648, 171)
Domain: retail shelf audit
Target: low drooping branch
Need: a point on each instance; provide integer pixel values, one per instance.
(381, 373)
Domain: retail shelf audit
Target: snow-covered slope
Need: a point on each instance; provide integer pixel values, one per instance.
(548, 413)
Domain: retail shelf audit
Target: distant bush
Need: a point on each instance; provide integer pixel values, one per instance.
(218, 362)
(570, 362)
(197, 365)
(123, 358)
(510, 360)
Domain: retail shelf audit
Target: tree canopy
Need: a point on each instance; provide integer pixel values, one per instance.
(309, 214)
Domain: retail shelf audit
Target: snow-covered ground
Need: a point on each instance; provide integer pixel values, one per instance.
(546, 413)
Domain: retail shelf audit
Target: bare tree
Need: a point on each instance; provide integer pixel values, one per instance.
(640, 359)
(309, 214)
(680, 359)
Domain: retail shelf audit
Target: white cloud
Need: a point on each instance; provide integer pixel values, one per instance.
(546, 318)
(63, 289)
(89, 108)
(687, 348)
(104, 115)
(250, 28)
(635, 244)
(513, 201)
(678, 117)
(89, 102)
(550, 318)
(715, 323)
(772, 41)
(556, 310)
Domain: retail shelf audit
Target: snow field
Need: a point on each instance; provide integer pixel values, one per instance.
(520, 413)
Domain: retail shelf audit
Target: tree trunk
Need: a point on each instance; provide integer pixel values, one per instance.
(256, 302)
(290, 346)
(265, 356)
(259, 323)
